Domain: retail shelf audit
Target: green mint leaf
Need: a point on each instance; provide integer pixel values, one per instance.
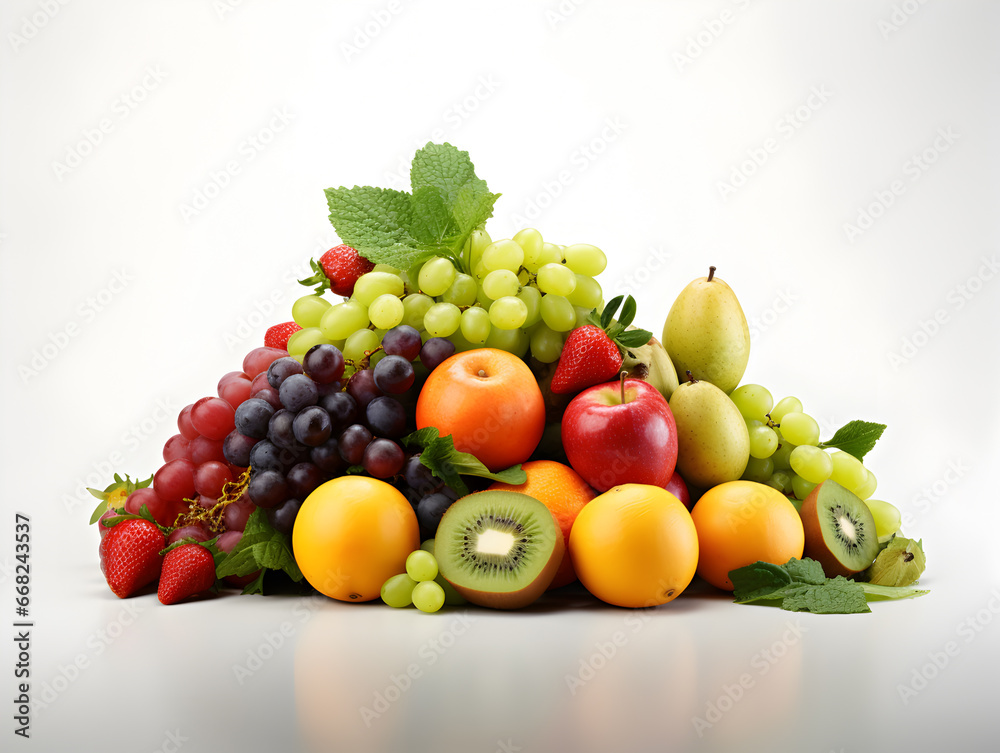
(439, 455)
(806, 570)
(433, 225)
(255, 586)
(420, 438)
(879, 593)
(444, 167)
(761, 580)
(260, 547)
(471, 208)
(837, 596)
(376, 222)
(855, 438)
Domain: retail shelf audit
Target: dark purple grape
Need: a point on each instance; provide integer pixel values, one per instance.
(352, 443)
(280, 430)
(237, 447)
(267, 489)
(312, 426)
(403, 341)
(435, 351)
(419, 476)
(282, 517)
(266, 456)
(302, 478)
(393, 375)
(323, 363)
(327, 457)
(332, 388)
(362, 387)
(343, 410)
(386, 417)
(270, 396)
(253, 416)
(281, 369)
(298, 392)
(431, 508)
(383, 458)
(235, 514)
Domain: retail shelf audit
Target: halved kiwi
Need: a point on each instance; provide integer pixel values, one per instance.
(498, 549)
(840, 530)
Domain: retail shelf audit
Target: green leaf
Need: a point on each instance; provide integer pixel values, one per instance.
(445, 168)
(878, 593)
(855, 438)
(471, 208)
(448, 464)
(261, 547)
(761, 580)
(255, 586)
(628, 313)
(608, 315)
(432, 225)
(837, 596)
(805, 571)
(634, 338)
(376, 222)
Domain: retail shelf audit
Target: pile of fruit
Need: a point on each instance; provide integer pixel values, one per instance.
(450, 419)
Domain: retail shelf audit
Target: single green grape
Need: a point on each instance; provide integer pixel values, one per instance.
(479, 272)
(558, 313)
(782, 454)
(867, 489)
(483, 300)
(585, 259)
(530, 241)
(587, 292)
(427, 545)
(421, 565)
(343, 320)
(782, 481)
(501, 282)
(436, 276)
(550, 254)
(308, 310)
(385, 268)
(800, 428)
(361, 342)
(582, 316)
(763, 442)
(463, 290)
(523, 277)
(801, 487)
(428, 596)
(475, 325)
(546, 344)
(752, 400)
(533, 302)
(442, 319)
(887, 518)
(556, 279)
(373, 284)
(478, 242)
(386, 311)
(759, 470)
(300, 342)
(512, 340)
(784, 406)
(811, 463)
(505, 254)
(848, 471)
(397, 591)
(508, 312)
(415, 306)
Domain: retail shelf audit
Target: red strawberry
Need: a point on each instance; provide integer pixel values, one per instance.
(277, 336)
(130, 556)
(187, 570)
(594, 352)
(338, 269)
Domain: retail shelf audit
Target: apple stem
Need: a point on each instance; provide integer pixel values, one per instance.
(711, 273)
(621, 384)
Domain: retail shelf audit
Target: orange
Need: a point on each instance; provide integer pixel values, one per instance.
(564, 492)
(489, 401)
(351, 534)
(634, 546)
(741, 522)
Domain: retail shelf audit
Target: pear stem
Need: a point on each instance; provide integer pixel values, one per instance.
(711, 273)
(621, 384)
(690, 376)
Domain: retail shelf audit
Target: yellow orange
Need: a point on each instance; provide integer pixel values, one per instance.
(564, 492)
(741, 522)
(634, 546)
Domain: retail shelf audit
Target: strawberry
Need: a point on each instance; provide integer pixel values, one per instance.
(338, 269)
(130, 555)
(277, 336)
(594, 352)
(187, 570)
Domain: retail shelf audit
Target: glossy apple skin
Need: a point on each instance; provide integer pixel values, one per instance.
(679, 489)
(610, 443)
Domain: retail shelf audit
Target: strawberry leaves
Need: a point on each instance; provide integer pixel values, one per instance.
(617, 330)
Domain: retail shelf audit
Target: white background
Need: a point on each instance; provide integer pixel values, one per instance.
(616, 124)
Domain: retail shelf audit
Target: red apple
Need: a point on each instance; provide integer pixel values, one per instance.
(620, 432)
(679, 489)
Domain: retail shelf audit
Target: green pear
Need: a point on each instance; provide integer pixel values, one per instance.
(706, 333)
(713, 444)
(650, 363)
